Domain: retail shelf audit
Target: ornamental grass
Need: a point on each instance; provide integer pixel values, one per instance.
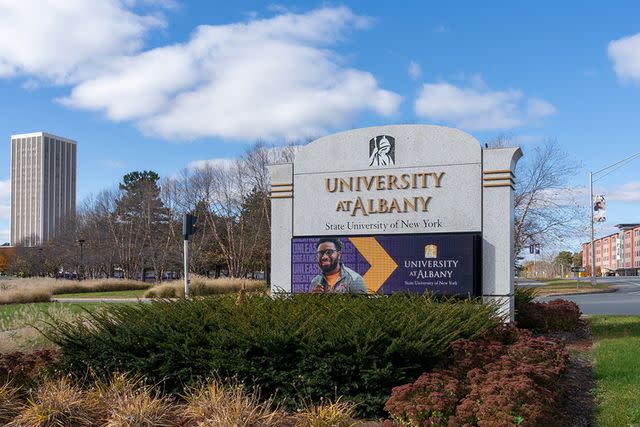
(203, 286)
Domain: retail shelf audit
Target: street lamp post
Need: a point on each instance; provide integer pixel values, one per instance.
(609, 169)
(81, 267)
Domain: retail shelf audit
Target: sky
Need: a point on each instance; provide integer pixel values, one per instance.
(163, 85)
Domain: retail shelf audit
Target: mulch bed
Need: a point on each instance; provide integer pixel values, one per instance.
(580, 383)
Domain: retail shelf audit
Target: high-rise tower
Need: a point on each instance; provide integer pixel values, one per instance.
(43, 186)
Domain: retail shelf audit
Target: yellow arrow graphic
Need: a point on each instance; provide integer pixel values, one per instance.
(382, 265)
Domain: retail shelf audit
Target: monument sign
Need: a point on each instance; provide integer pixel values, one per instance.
(414, 208)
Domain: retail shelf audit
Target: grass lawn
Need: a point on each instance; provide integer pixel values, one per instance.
(564, 287)
(10, 311)
(17, 321)
(138, 293)
(617, 367)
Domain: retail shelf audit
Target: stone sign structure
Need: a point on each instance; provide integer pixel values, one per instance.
(415, 208)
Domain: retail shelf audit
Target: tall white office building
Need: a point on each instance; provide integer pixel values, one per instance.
(43, 186)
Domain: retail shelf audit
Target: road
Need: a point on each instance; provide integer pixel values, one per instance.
(625, 301)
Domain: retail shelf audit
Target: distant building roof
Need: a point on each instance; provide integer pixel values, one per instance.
(627, 226)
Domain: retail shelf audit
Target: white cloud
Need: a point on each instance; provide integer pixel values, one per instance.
(221, 162)
(270, 79)
(64, 41)
(264, 79)
(629, 192)
(538, 108)
(5, 235)
(415, 71)
(479, 108)
(625, 54)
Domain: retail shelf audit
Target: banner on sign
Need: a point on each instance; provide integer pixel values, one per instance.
(599, 209)
(441, 264)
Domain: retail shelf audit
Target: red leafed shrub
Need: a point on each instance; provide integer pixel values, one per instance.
(553, 316)
(25, 369)
(505, 378)
(431, 400)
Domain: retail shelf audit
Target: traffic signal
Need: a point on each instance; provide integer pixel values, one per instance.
(188, 225)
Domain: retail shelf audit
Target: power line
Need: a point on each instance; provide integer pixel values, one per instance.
(620, 164)
(625, 160)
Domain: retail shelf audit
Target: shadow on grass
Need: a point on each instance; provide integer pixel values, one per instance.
(604, 327)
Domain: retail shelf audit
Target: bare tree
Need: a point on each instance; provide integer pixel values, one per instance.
(546, 209)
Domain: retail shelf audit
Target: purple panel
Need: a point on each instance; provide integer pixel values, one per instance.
(442, 264)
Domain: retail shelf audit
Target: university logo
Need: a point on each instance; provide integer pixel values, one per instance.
(431, 251)
(382, 151)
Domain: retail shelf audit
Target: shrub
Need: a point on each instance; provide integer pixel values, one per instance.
(305, 345)
(524, 295)
(553, 316)
(202, 286)
(505, 378)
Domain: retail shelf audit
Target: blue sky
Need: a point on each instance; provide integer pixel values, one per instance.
(159, 85)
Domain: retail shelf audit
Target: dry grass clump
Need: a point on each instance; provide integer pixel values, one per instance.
(97, 285)
(129, 402)
(214, 404)
(40, 289)
(202, 286)
(58, 403)
(23, 296)
(327, 414)
(10, 403)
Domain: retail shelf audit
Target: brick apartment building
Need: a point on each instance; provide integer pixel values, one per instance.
(617, 253)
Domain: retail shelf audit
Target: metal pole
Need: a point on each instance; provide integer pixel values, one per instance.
(186, 268)
(81, 261)
(593, 248)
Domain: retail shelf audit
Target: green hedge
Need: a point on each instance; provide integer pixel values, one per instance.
(299, 347)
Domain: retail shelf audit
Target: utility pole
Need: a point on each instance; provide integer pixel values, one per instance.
(593, 249)
(609, 169)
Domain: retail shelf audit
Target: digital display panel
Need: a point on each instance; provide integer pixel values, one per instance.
(441, 264)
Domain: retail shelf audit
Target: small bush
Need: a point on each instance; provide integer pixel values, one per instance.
(201, 286)
(505, 378)
(553, 316)
(305, 345)
(524, 295)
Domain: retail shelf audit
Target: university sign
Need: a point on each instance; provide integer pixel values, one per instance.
(410, 208)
